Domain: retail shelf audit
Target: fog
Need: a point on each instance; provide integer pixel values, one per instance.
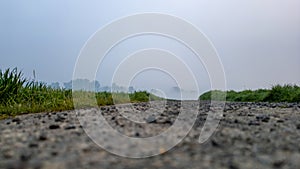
(257, 41)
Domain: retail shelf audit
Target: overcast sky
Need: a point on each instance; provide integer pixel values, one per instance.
(258, 41)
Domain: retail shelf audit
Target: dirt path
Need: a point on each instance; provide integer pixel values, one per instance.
(250, 136)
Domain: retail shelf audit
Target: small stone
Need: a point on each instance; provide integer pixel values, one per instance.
(278, 164)
(263, 118)
(8, 122)
(54, 126)
(33, 145)
(298, 126)
(25, 156)
(215, 143)
(168, 122)
(16, 120)
(162, 150)
(54, 153)
(60, 119)
(151, 119)
(280, 121)
(70, 127)
(43, 137)
(233, 166)
(253, 123)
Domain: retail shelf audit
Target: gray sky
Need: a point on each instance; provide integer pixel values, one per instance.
(258, 41)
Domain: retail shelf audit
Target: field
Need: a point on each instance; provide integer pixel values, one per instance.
(285, 93)
(19, 95)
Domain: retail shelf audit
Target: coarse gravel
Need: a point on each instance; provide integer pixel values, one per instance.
(249, 136)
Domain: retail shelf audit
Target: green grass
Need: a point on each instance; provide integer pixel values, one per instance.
(19, 95)
(278, 93)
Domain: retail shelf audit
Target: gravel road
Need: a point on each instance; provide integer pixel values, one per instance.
(250, 136)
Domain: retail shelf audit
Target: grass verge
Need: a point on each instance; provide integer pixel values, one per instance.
(19, 95)
(278, 93)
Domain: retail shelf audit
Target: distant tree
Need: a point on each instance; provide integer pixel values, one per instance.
(68, 85)
(105, 89)
(130, 89)
(114, 87)
(55, 85)
(97, 86)
(83, 84)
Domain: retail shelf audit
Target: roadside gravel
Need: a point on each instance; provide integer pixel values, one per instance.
(250, 136)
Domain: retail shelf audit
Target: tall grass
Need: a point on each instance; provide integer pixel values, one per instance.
(19, 95)
(11, 81)
(278, 93)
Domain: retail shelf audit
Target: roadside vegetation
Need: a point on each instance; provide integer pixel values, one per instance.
(19, 95)
(278, 93)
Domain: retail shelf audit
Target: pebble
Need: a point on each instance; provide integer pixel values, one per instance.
(70, 127)
(54, 126)
(151, 119)
(298, 126)
(25, 156)
(16, 120)
(253, 123)
(43, 137)
(263, 118)
(33, 145)
(280, 121)
(60, 119)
